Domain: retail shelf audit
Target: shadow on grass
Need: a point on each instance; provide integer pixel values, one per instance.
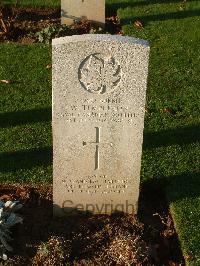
(181, 136)
(183, 186)
(160, 192)
(25, 159)
(25, 117)
(157, 194)
(153, 210)
(111, 8)
(162, 17)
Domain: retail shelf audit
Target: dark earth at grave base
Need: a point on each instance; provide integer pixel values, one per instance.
(119, 239)
(20, 24)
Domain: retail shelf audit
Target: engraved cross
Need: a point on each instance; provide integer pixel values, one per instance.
(97, 143)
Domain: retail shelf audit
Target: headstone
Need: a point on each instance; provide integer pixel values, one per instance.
(99, 88)
(76, 10)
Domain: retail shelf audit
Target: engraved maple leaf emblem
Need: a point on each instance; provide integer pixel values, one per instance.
(99, 74)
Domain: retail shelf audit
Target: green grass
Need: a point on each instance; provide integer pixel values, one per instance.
(35, 3)
(171, 149)
(25, 117)
(171, 141)
(185, 207)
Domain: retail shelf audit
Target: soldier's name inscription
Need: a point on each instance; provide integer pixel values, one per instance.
(101, 110)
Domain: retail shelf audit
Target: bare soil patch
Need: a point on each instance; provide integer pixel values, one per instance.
(22, 23)
(119, 239)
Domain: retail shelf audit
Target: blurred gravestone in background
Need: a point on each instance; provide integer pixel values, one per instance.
(76, 10)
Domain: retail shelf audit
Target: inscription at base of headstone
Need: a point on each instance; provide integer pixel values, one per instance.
(76, 10)
(99, 89)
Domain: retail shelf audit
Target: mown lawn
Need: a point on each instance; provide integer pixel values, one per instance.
(172, 130)
(171, 150)
(34, 3)
(25, 114)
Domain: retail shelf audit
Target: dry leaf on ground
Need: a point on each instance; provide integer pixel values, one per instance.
(138, 24)
(5, 81)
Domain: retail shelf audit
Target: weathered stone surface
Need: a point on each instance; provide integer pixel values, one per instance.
(93, 10)
(99, 88)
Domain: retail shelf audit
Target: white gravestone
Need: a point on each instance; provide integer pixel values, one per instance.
(76, 10)
(99, 88)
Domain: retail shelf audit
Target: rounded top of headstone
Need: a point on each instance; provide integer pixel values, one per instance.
(99, 37)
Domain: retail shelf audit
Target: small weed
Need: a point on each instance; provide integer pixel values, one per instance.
(53, 31)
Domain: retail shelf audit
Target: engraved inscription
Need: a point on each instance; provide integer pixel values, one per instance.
(99, 74)
(99, 110)
(97, 184)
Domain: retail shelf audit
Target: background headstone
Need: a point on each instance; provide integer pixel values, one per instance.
(99, 88)
(93, 10)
